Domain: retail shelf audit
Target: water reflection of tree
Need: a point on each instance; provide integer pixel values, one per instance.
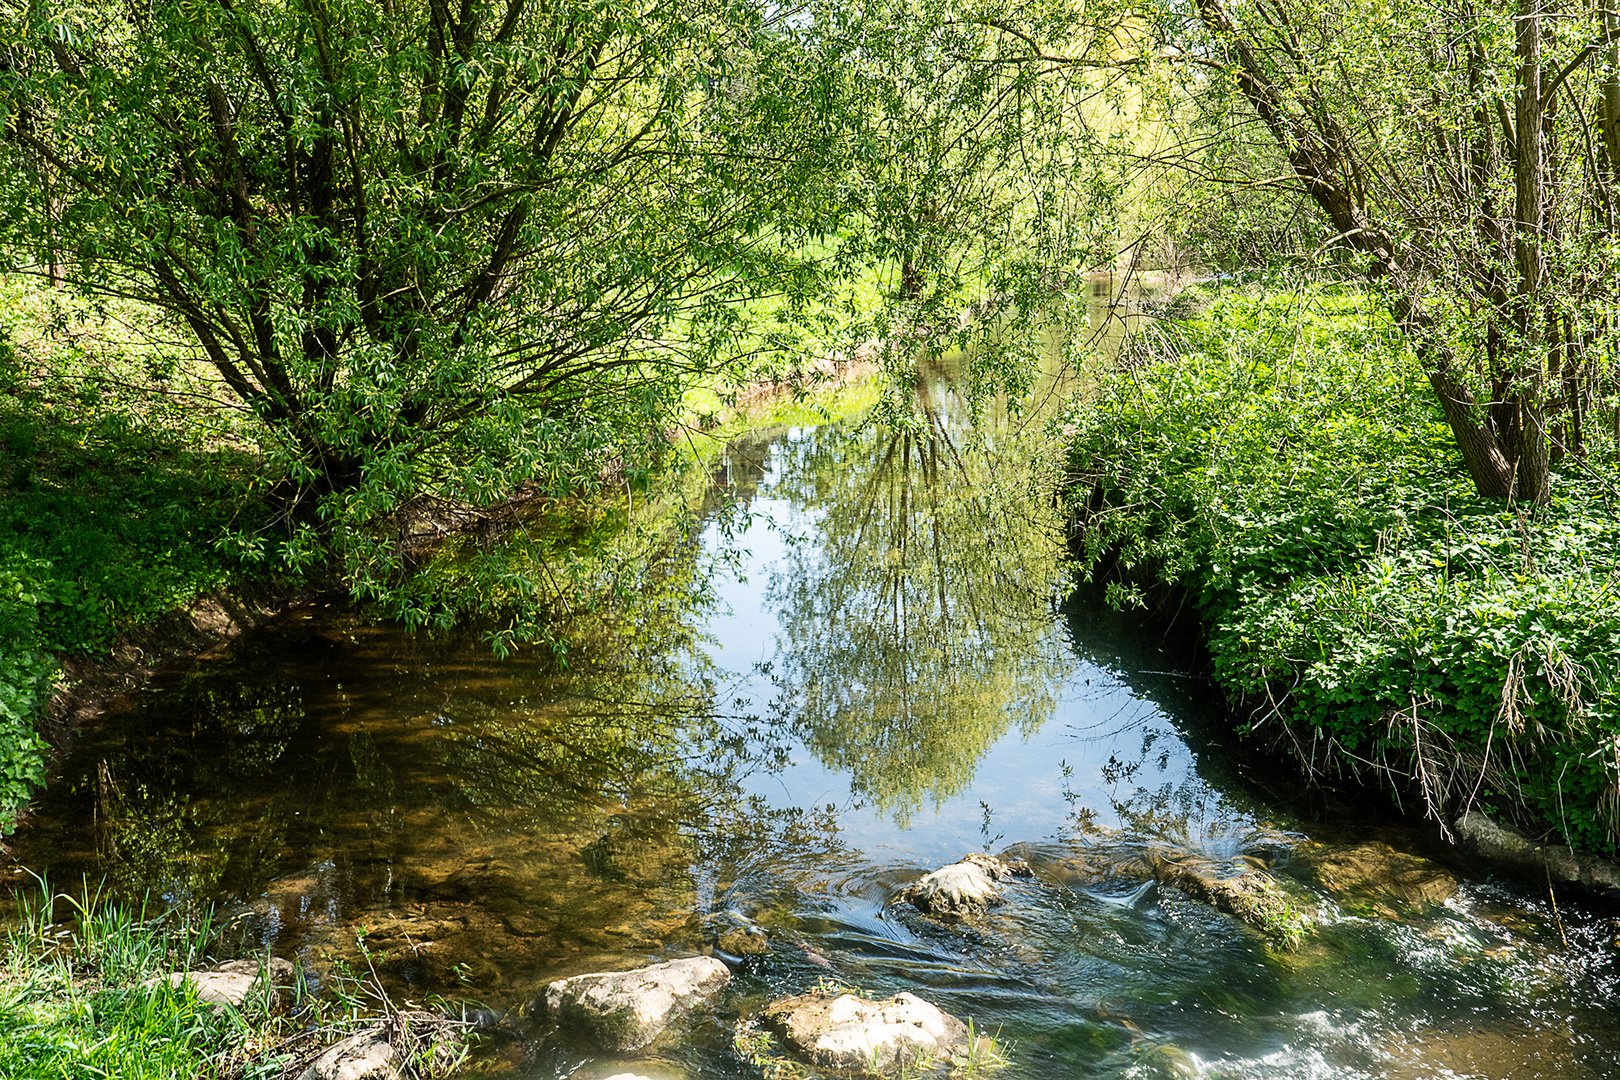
(917, 609)
(1167, 777)
(507, 815)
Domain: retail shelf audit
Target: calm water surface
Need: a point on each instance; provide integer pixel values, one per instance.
(864, 668)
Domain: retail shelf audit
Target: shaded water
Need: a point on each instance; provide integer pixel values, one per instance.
(862, 670)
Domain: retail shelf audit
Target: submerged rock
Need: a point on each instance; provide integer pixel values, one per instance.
(743, 941)
(855, 1035)
(969, 885)
(626, 1010)
(738, 936)
(236, 982)
(1377, 878)
(1241, 889)
(1166, 1062)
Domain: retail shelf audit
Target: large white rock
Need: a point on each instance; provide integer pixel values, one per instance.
(969, 885)
(233, 983)
(626, 1010)
(853, 1034)
(369, 1055)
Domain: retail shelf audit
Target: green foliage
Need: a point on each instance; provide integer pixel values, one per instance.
(108, 520)
(447, 255)
(24, 673)
(1279, 462)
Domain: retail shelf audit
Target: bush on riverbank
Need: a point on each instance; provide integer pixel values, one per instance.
(1279, 462)
(129, 488)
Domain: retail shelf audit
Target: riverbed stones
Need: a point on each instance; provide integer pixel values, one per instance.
(409, 1043)
(236, 982)
(1377, 879)
(857, 1035)
(1240, 888)
(967, 886)
(624, 1011)
(370, 1055)
(737, 936)
(743, 941)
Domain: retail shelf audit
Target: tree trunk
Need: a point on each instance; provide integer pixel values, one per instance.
(1526, 431)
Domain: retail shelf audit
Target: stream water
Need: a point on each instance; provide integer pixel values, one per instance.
(864, 668)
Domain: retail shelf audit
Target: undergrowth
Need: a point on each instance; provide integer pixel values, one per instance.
(1279, 463)
(84, 993)
(111, 506)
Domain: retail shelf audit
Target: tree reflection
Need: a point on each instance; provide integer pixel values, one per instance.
(918, 608)
(474, 817)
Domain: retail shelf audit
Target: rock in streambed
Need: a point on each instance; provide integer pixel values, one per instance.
(624, 1011)
(737, 937)
(1241, 888)
(857, 1035)
(1376, 879)
(967, 886)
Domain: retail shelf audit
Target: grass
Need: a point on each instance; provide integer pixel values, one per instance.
(74, 1000)
(86, 996)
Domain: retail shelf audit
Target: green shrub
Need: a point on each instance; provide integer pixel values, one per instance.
(1279, 461)
(111, 509)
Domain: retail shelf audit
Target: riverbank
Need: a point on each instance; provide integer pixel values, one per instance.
(149, 642)
(90, 988)
(1275, 462)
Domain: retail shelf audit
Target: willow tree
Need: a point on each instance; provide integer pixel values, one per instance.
(432, 246)
(1467, 154)
(454, 249)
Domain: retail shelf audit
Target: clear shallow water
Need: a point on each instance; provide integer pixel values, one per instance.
(870, 672)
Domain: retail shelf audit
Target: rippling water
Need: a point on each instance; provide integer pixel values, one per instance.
(865, 667)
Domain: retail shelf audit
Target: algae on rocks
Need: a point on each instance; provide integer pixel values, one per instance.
(1242, 889)
(1376, 879)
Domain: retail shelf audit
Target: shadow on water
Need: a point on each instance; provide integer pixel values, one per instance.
(885, 671)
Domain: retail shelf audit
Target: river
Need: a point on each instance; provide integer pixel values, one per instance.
(867, 661)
